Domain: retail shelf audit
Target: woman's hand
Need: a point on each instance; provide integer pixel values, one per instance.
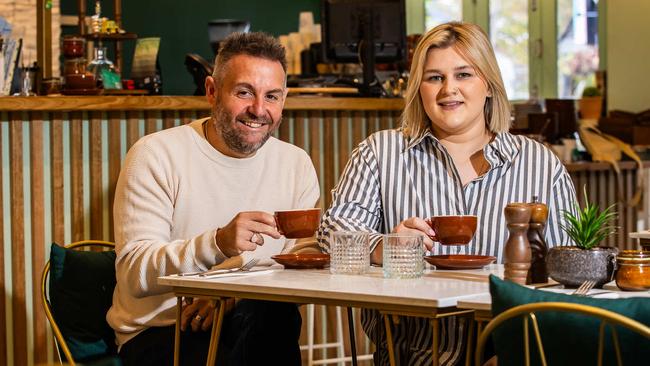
(410, 226)
(417, 226)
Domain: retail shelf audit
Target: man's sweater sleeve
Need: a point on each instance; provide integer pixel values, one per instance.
(143, 211)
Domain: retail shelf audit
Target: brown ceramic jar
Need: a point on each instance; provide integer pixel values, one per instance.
(633, 273)
(73, 46)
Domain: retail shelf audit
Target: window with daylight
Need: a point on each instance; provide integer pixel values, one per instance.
(441, 11)
(545, 49)
(577, 43)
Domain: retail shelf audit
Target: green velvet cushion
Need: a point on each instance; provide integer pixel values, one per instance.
(81, 292)
(568, 339)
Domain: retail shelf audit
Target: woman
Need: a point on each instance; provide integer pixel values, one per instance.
(452, 156)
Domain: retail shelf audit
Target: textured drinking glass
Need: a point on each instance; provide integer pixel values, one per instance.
(403, 256)
(350, 252)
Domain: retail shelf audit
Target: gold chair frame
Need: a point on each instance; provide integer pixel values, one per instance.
(46, 302)
(528, 311)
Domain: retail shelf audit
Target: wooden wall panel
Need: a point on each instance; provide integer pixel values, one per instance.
(299, 127)
(57, 220)
(37, 194)
(169, 119)
(329, 119)
(3, 287)
(284, 131)
(343, 138)
(150, 122)
(96, 188)
(132, 128)
(17, 203)
(76, 177)
(114, 163)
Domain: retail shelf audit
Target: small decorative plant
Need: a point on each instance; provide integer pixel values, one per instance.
(591, 91)
(590, 226)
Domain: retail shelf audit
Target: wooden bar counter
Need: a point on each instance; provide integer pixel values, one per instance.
(61, 158)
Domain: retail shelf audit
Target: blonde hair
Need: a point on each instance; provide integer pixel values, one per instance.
(472, 44)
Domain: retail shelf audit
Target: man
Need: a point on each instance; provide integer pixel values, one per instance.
(194, 196)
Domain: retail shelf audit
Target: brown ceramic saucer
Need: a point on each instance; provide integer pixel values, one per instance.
(459, 261)
(302, 261)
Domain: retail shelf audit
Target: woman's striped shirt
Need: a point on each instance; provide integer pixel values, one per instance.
(390, 178)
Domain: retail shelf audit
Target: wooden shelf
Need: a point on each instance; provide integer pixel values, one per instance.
(110, 36)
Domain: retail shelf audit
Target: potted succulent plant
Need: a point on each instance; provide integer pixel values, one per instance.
(572, 265)
(591, 103)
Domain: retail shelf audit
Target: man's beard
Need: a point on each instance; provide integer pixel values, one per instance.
(233, 138)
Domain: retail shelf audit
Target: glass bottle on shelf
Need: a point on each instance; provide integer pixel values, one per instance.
(104, 70)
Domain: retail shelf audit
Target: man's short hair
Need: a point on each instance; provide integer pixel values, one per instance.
(256, 44)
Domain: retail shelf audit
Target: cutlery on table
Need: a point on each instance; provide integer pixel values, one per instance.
(245, 267)
(584, 288)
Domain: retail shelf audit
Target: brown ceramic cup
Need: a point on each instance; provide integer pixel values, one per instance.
(453, 230)
(300, 223)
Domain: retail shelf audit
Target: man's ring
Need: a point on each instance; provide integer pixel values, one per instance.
(254, 239)
(198, 317)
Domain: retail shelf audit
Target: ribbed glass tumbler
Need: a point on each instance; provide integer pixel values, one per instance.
(349, 252)
(403, 256)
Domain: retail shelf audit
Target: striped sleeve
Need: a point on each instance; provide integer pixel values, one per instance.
(356, 203)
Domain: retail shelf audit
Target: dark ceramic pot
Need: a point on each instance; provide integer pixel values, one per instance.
(571, 266)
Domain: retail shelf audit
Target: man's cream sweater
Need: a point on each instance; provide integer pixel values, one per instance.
(174, 191)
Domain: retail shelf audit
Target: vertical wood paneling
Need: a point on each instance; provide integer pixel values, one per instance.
(3, 288)
(314, 146)
(188, 116)
(358, 120)
(612, 197)
(605, 188)
(284, 132)
(299, 129)
(629, 213)
(169, 119)
(132, 131)
(151, 119)
(96, 187)
(17, 240)
(385, 121)
(56, 181)
(38, 231)
(76, 177)
(344, 146)
(329, 119)
(114, 163)
(373, 122)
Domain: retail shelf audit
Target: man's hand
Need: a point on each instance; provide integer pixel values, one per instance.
(416, 226)
(198, 314)
(243, 232)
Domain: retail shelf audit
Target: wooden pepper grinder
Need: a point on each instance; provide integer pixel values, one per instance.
(539, 214)
(517, 249)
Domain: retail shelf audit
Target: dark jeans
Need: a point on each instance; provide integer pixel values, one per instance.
(253, 333)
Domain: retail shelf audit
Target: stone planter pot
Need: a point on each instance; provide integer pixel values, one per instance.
(590, 107)
(571, 266)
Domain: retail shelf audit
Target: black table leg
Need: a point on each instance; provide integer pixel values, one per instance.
(353, 343)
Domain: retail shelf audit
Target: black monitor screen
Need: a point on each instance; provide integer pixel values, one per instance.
(343, 28)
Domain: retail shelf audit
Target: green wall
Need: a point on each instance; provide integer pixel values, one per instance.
(183, 27)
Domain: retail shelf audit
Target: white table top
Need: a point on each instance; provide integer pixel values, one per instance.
(436, 289)
(609, 291)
